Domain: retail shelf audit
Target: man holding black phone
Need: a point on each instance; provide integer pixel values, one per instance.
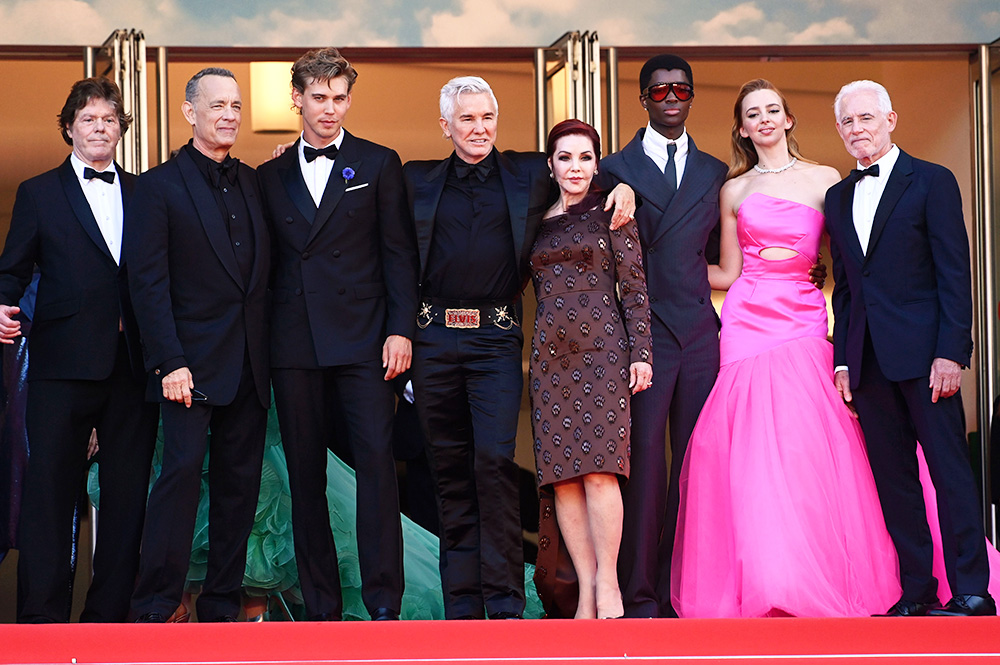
(201, 251)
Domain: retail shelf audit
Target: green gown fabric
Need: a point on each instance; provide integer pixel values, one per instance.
(270, 567)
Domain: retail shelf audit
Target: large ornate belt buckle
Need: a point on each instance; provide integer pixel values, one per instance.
(461, 318)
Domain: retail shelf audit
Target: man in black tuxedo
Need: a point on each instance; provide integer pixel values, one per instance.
(85, 370)
(476, 215)
(344, 310)
(678, 222)
(199, 252)
(902, 334)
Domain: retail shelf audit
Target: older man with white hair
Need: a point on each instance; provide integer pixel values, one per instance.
(902, 334)
(476, 214)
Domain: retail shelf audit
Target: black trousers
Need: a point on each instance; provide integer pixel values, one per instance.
(236, 451)
(894, 416)
(60, 418)
(467, 385)
(651, 497)
(306, 400)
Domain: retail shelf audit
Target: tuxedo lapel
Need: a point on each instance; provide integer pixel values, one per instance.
(81, 207)
(347, 157)
(261, 239)
(295, 184)
(848, 230)
(642, 174)
(426, 196)
(899, 180)
(516, 189)
(208, 213)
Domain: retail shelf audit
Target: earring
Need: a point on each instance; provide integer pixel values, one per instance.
(552, 175)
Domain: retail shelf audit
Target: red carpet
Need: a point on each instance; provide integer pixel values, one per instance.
(752, 641)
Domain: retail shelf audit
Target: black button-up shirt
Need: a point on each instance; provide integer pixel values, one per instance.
(472, 251)
(233, 207)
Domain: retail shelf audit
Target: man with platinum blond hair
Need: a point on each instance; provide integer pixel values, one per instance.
(476, 215)
(902, 335)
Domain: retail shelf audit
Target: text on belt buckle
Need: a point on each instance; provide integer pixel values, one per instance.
(461, 318)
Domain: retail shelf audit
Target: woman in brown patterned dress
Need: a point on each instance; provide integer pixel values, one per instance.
(590, 350)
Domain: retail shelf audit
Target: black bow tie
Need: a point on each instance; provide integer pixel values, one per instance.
(106, 176)
(227, 169)
(330, 152)
(858, 174)
(481, 169)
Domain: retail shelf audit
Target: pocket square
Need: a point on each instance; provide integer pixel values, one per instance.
(351, 189)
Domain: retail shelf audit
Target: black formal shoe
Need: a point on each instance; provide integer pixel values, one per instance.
(151, 617)
(324, 616)
(224, 618)
(385, 614)
(967, 605)
(466, 617)
(505, 615)
(908, 608)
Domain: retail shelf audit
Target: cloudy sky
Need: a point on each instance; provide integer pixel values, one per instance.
(499, 22)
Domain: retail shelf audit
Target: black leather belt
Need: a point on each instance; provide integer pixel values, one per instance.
(467, 313)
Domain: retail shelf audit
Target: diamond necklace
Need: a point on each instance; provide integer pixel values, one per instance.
(758, 169)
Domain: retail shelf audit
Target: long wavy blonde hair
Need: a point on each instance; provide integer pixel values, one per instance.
(744, 154)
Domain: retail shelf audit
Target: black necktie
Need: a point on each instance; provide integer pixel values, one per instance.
(858, 174)
(330, 152)
(670, 170)
(106, 176)
(226, 169)
(481, 169)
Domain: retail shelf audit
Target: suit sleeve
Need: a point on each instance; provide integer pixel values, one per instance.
(949, 245)
(147, 237)
(841, 299)
(632, 291)
(20, 251)
(399, 249)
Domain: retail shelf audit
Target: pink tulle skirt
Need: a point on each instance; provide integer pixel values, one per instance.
(779, 513)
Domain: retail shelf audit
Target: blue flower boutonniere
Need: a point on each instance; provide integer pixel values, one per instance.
(347, 174)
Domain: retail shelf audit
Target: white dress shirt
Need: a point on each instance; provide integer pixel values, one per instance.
(868, 192)
(317, 172)
(106, 203)
(655, 144)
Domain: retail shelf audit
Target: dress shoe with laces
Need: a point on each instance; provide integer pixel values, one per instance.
(505, 615)
(908, 608)
(151, 617)
(385, 614)
(967, 605)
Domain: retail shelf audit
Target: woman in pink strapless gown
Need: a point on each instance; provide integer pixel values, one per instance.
(779, 512)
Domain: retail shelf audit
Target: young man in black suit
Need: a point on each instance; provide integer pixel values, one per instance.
(85, 370)
(344, 311)
(679, 187)
(199, 253)
(902, 334)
